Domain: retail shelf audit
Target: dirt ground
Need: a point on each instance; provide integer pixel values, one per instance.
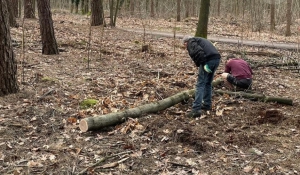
(39, 125)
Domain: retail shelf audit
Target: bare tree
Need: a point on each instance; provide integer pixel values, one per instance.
(29, 9)
(12, 17)
(15, 7)
(178, 10)
(97, 13)
(219, 8)
(76, 5)
(288, 18)
(203, 19)
(132, 2)
(8, 66)
(113, 11)
(187, 8)
(272, 16)
(46, 28)
(152, 8)
(84, 6)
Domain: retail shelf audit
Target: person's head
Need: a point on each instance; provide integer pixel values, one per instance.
(185, 40)
(229, 57)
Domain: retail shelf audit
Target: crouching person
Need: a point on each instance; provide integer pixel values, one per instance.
(237, 74)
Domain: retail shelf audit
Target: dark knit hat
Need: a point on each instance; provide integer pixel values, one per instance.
(230, 56)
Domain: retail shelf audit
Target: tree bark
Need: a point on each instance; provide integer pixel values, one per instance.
(97, 13)
(203, 19)
(272, 16)
(187, 8)
(258, 97)
(46, 28)
(288, 18)
(12, 17)
(29, 11)
(15, 7)
(98, 122)
(152, 14)
(131, 6)
(178, 16)
(8, 65)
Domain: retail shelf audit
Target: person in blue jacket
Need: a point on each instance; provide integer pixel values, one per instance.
(207, 59)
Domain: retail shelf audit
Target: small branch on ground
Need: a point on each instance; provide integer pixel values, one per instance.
(102, 160)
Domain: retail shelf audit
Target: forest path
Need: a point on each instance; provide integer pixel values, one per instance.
(287, 46)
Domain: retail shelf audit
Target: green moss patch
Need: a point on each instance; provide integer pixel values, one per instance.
(88, 103)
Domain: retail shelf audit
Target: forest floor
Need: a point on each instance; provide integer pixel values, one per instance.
(39, 125)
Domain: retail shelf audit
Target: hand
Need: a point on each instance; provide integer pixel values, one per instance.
(207, 69)
(224, 75)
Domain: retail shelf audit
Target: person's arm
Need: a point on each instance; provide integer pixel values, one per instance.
(227, 68)
(196, 52)
(251, 70)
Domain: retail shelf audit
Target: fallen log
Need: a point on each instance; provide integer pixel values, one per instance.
(258, 97)
(98, 122)
(276, 65)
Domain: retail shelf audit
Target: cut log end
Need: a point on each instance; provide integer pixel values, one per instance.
(83, 126)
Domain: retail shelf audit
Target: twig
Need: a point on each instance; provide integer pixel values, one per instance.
(47, 93)
(114, 164)
(23, 52)
(102, 160)
(178, 164)
(89, 43)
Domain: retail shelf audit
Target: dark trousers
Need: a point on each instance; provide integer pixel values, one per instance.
(241, 83)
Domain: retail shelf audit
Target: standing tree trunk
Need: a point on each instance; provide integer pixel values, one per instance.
(76, 6)
(131, 4)
(178, 10)
(84, 7)
(46, 28)
(219, 8)
(29, 9)
(116, 12)
(8, 66)
(113, 11)
(12, 17)
(288, 18)
(97, 12)
(15, 7)
(194, 5)
(272, 16)
(187, 8)
(20, 9)
(72, 6)
(203, 19)
(147, 6)
(152, 8)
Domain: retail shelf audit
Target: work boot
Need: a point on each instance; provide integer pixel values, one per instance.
(205, 108)
(194, 114)
(238, 89)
